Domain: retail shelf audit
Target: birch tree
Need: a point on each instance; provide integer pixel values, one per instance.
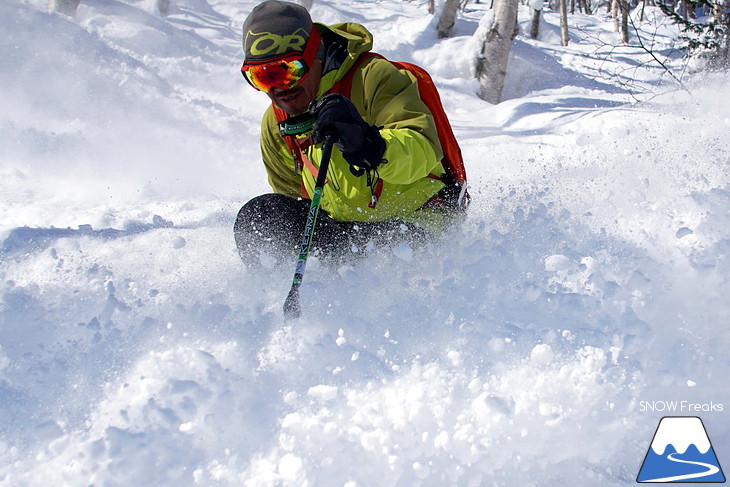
(66, 7)
(536, 6)
(447, 19)
(614, 14)
(535, 24)
(564, 35)
(163, 6)
(585, 5)
(620, 14)
(491, 66)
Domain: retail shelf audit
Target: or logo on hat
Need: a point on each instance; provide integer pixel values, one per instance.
(680, 452)
(268, 43)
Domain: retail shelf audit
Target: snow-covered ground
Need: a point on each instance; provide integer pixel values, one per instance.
(590, 280)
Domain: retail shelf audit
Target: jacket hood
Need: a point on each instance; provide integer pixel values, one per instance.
(344, 43)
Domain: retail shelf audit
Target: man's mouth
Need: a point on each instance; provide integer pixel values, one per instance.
(287, 96)
(291, 101)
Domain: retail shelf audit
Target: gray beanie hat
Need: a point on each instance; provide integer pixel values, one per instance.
(275, 28)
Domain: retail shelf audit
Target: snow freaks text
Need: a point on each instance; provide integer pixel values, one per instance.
(680, 407)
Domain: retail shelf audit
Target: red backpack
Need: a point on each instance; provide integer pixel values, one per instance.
(453, 162)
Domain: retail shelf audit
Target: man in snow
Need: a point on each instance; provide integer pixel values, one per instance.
(383, 182)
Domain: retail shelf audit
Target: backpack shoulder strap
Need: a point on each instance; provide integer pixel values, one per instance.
(343, 86)
(300, 159)
(281, 116)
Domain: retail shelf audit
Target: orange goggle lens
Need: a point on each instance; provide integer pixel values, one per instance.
(279, 74)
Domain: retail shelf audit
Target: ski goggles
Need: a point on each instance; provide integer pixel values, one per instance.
(284, 72)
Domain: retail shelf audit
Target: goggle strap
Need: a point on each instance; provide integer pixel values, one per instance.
(312, 46)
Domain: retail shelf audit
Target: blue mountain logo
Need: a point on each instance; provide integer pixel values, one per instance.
(680, 452)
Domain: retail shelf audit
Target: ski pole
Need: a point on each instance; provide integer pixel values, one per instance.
(292, 308)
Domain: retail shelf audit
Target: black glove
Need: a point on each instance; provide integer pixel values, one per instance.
(361, 144)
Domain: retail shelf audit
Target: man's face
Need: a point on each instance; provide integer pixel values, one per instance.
(295, 101)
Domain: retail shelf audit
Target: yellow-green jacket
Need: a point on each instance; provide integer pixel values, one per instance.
(385, 97)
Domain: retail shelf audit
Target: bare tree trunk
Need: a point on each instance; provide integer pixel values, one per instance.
(66, 7)
(721, 17)
(614, 14)
(687, 10)
(447, 19)
(492, 64)
(163, 6)
(431, 6)
(624, 21)
(535, 25)
(564, 36)
(572, 6)
(586, 6)
(721, 12)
